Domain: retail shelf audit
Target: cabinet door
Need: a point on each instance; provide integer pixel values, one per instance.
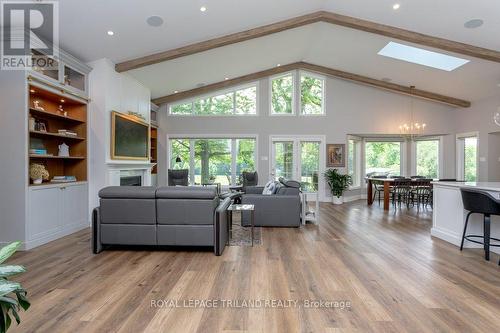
(75, 206)
(44, 212)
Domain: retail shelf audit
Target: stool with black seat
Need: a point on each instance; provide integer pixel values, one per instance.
(480, 202)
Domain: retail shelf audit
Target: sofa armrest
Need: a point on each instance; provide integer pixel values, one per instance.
(96, 231)
(254, 189)
(221, 227)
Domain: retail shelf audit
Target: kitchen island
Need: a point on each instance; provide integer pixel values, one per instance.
(449, 215)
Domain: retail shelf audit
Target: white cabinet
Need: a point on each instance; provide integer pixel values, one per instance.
(56, 211)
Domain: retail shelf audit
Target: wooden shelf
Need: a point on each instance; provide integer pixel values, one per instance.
(55, 115)
(57, 157)
(57, 135)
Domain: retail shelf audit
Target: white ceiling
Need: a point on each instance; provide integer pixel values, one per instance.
(83, 27)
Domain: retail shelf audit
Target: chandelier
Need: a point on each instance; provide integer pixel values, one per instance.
(413, 128)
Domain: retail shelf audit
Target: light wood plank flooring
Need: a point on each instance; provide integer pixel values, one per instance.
(396, 277)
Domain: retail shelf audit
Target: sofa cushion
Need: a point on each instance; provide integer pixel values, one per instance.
(184, 212)
(125, 234)
(128, 211)
(190, 192)
(186, 235)
(122, 192)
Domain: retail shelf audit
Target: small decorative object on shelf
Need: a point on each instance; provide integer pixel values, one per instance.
(136, 114)
(63, 179)
(40, 126)
(32, 122)
(63, 150)
(38, 173)
(67, 133)
(61, 111)
(37, 106)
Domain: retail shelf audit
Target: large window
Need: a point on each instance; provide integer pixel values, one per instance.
(282, 94)
(467, 146)
(427, 158)
(213, 160)
(354, 161)
(383, 158)
(311, 94)
(240, 101)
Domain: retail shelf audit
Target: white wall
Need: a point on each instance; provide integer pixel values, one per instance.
(109, 91)
(479, 118)
(350, 109)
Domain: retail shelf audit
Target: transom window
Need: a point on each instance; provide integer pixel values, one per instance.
(282, 94)
(311, 94)
(239, 101)
(213, 160)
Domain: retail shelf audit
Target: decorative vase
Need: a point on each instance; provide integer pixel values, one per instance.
(337, 200)
(37, 181)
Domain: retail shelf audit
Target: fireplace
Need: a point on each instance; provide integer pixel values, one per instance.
(131, 181)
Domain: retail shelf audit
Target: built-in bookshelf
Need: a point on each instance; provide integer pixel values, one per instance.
(49, 115)
(154, 149)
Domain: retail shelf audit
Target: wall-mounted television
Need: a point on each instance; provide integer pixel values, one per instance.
(129, 137)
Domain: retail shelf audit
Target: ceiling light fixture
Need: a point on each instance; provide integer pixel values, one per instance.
(62, 101)
(110, 33)
(154, 21)
(414, 129)
(226, 78)
(32, 91)
(396, 6)
(203, 9)
(278, 65)
(473, 24)
(176, 91)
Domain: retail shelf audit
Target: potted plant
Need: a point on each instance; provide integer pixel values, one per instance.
(12, 295)
(38, 173)
(338, 184)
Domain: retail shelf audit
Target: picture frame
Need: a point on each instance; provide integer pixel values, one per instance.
(335, 155)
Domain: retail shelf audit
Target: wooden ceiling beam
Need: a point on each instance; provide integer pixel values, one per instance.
(321, 16)
(396, 88)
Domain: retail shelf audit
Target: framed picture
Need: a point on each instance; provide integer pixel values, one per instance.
(335, 155)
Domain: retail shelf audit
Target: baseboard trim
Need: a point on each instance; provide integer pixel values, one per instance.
(457, 239)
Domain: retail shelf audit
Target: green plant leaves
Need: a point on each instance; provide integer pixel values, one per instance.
(7, 287)
(9, 270)
(8, 250)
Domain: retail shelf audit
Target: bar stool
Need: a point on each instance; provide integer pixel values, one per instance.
(480, 202)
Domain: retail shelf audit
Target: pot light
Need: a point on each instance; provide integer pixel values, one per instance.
(473, 24)
(396, 6)
(203, 9)
(176, 91)
(62, 101)
(226, 78)
(278, 65)
(33, 90)
(110, 33)
(154, 21)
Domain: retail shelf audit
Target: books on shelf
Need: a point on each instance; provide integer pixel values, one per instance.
(66, 132)
(39, 152)
(63, 179)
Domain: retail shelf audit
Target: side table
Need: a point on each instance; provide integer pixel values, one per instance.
(241, 208)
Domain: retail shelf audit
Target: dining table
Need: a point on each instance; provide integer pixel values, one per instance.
(387, 183)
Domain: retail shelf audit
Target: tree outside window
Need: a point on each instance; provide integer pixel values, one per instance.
(427, 158)
(383, 158)
(282, 95)
(311, 95)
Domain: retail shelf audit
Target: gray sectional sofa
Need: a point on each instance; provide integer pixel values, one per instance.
(280, 209)
(180, 216)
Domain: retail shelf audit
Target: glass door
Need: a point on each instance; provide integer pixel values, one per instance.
(298, 159)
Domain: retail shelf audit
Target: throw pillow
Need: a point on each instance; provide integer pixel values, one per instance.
(269, 188)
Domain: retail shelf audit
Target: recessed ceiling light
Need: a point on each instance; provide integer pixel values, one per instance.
(278, 65)
(203, 8)
(473, 24)
(110, 33)
(176, 91)
(226, 78)
(62, 101)
(422, 57)
(33, 90)
(396, 6)
(154, 21)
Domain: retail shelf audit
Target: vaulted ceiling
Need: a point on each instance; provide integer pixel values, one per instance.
(84, 25)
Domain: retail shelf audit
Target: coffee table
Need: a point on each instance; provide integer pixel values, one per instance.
(242, 208)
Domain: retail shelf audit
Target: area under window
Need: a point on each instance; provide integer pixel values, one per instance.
(282, 94)
(467, 147)
(383, 158)
(239, 101)
(353, 161)
(311, 94)
(213, 160)
(427, 158)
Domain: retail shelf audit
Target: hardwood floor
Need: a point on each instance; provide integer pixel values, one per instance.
(395, 276)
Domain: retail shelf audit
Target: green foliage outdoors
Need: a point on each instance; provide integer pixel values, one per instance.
(428, 158)
(12, 295)
(470, 159)
(383, 157)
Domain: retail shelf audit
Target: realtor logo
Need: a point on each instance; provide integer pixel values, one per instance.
(30, 35)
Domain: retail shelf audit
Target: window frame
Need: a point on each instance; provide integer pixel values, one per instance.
(293, 74)
(231, 90)
(460, 154)
(440, 168)
(193, 137)
(357, 161)
(299, 92)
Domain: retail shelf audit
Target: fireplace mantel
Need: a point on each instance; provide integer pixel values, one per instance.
(115, 169)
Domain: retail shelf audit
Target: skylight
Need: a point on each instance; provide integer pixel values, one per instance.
(422, 57)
